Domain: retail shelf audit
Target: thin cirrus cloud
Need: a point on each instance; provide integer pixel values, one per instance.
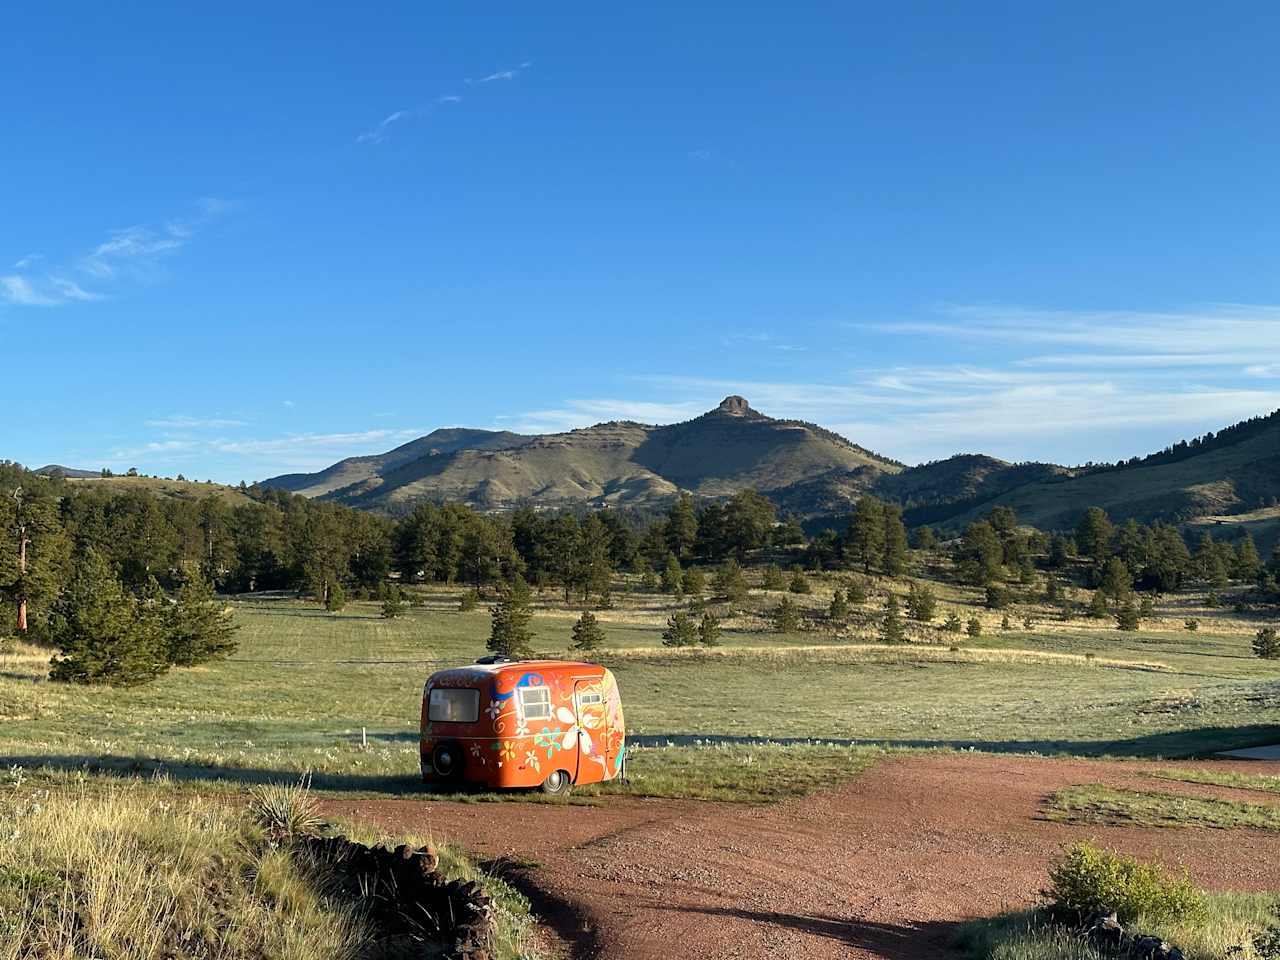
(379, 133)
(1069, 386)
(132, 252)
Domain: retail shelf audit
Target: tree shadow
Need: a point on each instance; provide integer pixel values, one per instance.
(891, 941)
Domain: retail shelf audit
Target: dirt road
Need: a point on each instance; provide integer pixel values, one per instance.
(882, 867)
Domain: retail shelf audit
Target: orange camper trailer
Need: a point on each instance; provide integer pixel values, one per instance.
(522, 723)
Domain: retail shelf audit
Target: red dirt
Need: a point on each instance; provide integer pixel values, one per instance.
(881, 867)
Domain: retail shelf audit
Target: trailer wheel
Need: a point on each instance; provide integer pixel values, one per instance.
(446, 760)
(557, 783)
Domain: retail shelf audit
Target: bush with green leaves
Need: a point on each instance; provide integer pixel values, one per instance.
(1088, 878)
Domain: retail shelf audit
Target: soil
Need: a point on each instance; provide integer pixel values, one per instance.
(885, 866)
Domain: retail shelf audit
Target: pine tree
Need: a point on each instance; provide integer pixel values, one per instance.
(681, 631)
(773, 578)
(924, 539)
(1248, 564)
(587, 633)
(694, 582)
(864, 538)
(839, 609)
(974, 629)
(953, 623)
(786, 618)
(198, 628)
(997, 597)
(709, 630)
(681, 529)
(469, 601)
(1127, 617)
(921, 603)
(894, 562)
(1097, 606)
(1266, 644)
(891, 626)
(102, 633)
(1093, 535)
(672, 576)
(799, 582)
(509, 632)
(729, 583)
(335, 597)
(857, 592)
(392, 602)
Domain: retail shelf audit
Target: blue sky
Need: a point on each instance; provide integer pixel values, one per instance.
(247, 239)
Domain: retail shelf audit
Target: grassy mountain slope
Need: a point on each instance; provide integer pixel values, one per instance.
(1234, 478)
(619, 463)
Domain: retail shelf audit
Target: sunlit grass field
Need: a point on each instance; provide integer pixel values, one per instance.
(338, 694)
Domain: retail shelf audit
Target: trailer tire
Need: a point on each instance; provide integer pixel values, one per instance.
(557, 784)
(447, 760)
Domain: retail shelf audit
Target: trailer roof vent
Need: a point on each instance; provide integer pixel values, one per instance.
(496, 658)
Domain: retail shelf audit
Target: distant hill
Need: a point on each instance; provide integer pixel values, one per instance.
(805, 469)
(57, 470)
(621, 463)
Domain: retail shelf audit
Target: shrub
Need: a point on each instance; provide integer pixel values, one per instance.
(857, 592)
(285, 810)
(891, 627)
(839, 609)
(799, 582)
(773, 579)
(1088, 878)
(1127, 617)
(1192, 625)
(469, 601)
(953, 623)
(694, 582)
(974, 628)
(921, 603)
(335, 599)
(392, 603)
(709, 630)
(729, 582)
(997, 597)
(786, 618)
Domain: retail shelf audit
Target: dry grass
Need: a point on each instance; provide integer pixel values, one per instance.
(880, 653)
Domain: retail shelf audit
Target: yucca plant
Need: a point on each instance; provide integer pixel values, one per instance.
(285, 810)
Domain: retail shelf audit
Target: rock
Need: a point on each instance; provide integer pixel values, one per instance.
(1153, 948)
(1103, 930)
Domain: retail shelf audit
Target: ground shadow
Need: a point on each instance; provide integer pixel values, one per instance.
(892, 941)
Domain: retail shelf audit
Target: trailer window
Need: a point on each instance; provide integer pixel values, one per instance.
(589, 699)
(535, 703)
(453, 706)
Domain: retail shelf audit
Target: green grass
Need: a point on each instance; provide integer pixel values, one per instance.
(1240, 781)
(305, 683)
(1097, 804)
(1234, 921)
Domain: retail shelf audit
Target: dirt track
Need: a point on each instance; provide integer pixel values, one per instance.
(882, 867)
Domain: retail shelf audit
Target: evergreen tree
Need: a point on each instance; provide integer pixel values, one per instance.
(773, 578)
(1093, 535)
(856, 594)
(694, 582)
(1266, 644)
(672, 576)
(335, 597)
(894, 562)
(891, 626)
(509, 632)
(786, 618)
(1248, 564)
(924, 539)
(1117, 582)
(864, 538)
(839, 609)
(921, 603)
(1097, 605)
(953, 624)
(1127, 617)
(103, 634)
(681, 631)
(1146, 608)
(709, 630)
(980, 555)
(392, 603)
(197, 626)
(1052, 589)
(681, 529)
(469, 601)
(587, 633)
(974, 629)
(729, 583)
(799, 582)
(997, 597)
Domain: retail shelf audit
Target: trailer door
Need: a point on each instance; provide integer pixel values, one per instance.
(593, 731)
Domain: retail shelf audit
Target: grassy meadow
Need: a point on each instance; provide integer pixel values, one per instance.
(338, 693)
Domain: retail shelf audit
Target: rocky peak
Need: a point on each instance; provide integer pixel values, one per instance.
(735, 406)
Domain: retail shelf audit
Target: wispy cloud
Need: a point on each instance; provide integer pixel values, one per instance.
(379, 133)
(180, 421)
(134, 251)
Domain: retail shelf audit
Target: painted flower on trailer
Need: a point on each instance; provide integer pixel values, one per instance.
(576, 732)
(531, 759)
(506, 751)
(493, 709)
(549, 740)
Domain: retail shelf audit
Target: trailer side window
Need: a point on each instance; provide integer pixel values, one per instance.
(589, 699)
(458, 705)
(535, 703)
